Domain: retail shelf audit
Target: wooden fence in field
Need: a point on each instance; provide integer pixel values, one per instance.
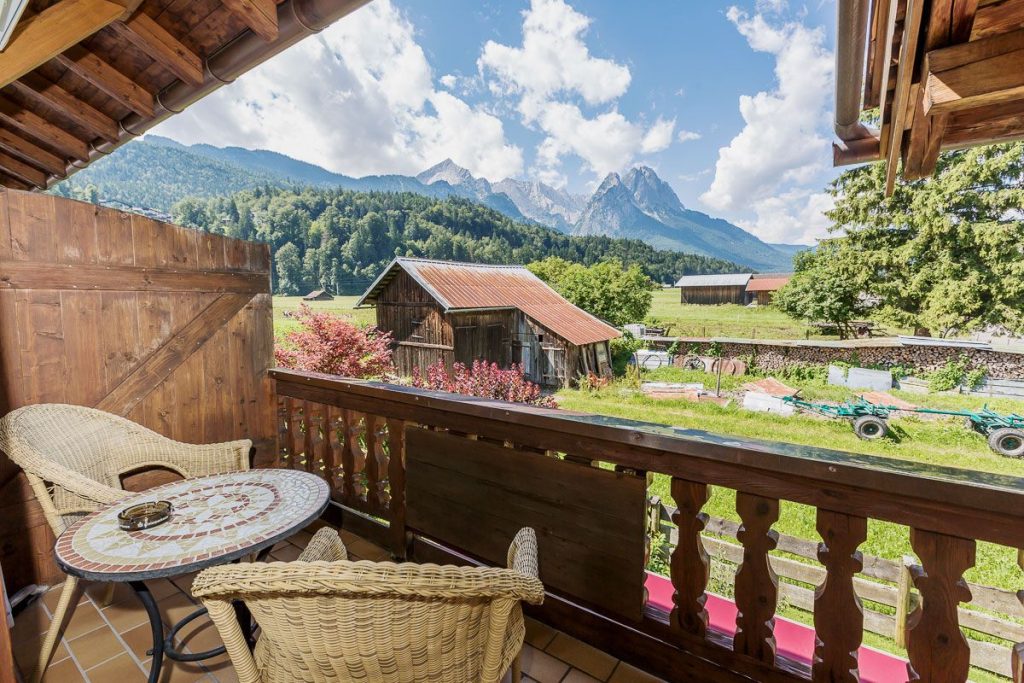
(882, 583)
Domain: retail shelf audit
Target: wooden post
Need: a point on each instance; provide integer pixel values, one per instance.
(7, 674)
(690, 564)
(903, 606)
(1017, 658)
(757, 586)
(396, 483)
(838, 613)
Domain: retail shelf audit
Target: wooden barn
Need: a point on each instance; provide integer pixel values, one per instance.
(461, 312)
(713, 289)
(762, 287)
(319, 295)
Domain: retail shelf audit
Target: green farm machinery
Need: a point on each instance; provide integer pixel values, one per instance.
(870, 421)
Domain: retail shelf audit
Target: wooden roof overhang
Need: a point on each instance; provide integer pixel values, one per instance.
(943, 74)
(80, 77)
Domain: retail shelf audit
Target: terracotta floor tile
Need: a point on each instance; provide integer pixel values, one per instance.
(543, 667)
(126, 614)
(120, 669)
(285, 552)
(162, 588)
(582, 656)
(53, 595)
(95, 647)
(176, 608)
(221, 669)
(26, 654)
(201, 635)
(85, 618)
(63, 672)
(97, 592)
(184, 582)
(577, 676)
(32, 621)
(624, 673)
(180, 672)
(139, 640)
(539, 635)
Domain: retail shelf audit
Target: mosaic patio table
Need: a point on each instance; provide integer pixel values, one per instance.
(215, 520)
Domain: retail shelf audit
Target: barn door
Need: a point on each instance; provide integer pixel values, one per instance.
(167, 326)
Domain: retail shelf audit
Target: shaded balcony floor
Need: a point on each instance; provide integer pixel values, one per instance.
(108, 644)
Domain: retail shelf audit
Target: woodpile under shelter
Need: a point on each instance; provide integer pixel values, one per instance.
(762, 287)
(462, 312)
(935, 76)
(713, 289)
(318, 295)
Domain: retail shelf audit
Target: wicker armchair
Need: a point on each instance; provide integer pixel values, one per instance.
(74, 458)
(374, 622)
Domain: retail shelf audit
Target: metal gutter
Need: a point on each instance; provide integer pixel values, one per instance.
(297, 19)
(851, 53)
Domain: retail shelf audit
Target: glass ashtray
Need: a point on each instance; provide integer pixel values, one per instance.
(144, 515)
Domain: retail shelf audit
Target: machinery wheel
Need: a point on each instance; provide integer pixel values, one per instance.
(693, 363)
(1007, 441)
(869, 427)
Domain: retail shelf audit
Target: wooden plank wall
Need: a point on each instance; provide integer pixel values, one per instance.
(167, 326)
(723, 294)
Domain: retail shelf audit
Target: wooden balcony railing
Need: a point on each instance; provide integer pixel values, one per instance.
(377, 443)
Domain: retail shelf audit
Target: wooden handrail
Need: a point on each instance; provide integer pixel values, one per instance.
(958, 502)
(361, 434)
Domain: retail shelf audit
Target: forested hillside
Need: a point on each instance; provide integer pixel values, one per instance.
(342, 240)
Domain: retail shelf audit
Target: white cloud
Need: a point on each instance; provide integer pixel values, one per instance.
(796, 216)
(551, 77)
(372, 107)
(449, 81)
(687, 136)
(782, 144)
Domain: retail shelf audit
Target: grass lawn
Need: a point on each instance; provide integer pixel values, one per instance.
(343, 305)
(727, 320)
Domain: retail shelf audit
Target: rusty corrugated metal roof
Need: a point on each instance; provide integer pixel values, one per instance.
(471, 286)
(767, 284)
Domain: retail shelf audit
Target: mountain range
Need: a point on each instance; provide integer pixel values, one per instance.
(636, 205)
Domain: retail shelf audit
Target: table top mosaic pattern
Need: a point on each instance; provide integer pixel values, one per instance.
(214, 519)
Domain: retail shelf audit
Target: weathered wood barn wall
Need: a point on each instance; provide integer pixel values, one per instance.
(425, 334)
(712, 295)
(167, 326)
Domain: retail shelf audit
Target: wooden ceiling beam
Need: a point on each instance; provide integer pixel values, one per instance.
(901, 97)
(17, 168)
(42, 37)
(143, 32)
(259, 15)
(90, 67)
(985, 125)
(51, 135)
(949, 22)
(994, 18)
(32, 153)
(969, 75)
(38, 89)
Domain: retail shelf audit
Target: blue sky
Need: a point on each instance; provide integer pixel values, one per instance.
(729, 101)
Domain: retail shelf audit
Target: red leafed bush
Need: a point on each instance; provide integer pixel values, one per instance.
(334, 345)
(483, 379)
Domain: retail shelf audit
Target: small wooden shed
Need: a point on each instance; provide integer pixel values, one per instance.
(729, 288)
(762, 287)
(319, 295)
(462, 312)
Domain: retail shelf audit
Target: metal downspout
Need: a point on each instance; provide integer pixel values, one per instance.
(851, 51)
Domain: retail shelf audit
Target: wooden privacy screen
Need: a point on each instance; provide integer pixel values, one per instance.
(475, 495)
(167, 326)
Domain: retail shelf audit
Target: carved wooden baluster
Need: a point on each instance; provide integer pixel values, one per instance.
(757, 586)
(352, 457)
(320, 440)
(296, 444)
(284, 437)
(690, 562)
(396, 486)
(376, 464)
(936, 647)
(332, 449)
(310, 429)
(1017, 660)
(838, 613)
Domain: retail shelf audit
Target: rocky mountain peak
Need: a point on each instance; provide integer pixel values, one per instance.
(651, 192)
(447, 171)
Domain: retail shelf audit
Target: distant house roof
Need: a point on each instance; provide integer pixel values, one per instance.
(318, 293)
(767, 283)
(726, 280)
(470, 286)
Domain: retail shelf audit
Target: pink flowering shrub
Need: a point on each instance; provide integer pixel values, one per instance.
(329, 343)
(483, 379)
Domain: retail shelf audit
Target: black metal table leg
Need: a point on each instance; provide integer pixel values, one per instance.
(157, 626)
